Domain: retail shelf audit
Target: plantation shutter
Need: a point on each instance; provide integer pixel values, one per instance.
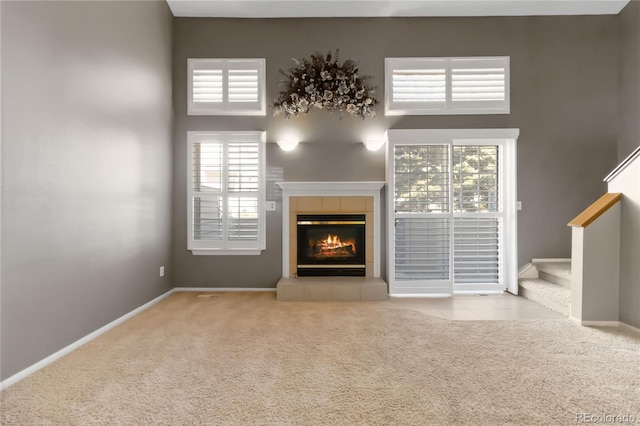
(226, 86)
(422, 248)
(207, 87)
(476, 251)
(226, 193)
(206, 179)
(417, 84)
(422, 217)
(243, 188)
(243, 84)
(447, 215)
(477, 229)
(479, 83)
(423, 86)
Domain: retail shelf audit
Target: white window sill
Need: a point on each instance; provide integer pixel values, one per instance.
(225, 252)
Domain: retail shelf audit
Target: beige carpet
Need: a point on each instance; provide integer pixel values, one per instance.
(247, 359)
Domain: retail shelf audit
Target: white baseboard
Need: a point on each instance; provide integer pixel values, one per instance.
(606, 324)
(75, 345)
(630, 327)
(528, 271)
(218, 290)
(600, 323)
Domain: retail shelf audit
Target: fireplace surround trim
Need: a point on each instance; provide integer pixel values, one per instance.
(330, 189)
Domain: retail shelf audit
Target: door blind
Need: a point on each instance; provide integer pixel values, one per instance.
(422, 248)
(476, 250)
(475, 178)
(421, 176)
(447, 219)
(477, 254)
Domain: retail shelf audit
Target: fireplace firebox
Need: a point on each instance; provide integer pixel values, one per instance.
(331, 245)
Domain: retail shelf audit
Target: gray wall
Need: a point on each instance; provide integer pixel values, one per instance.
(629, 101)
(563, 98)
(86, 164)
(628, 140)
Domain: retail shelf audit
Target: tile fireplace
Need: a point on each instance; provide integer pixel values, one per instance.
(331, 242)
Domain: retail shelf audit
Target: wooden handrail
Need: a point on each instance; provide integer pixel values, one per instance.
(596, 209)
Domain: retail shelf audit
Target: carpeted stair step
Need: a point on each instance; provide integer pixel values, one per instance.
(550, 295)
(555, 272)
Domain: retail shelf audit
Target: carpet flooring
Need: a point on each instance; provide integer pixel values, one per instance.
(244, 358)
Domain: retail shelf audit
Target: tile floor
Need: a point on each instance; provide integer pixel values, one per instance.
(475, 307)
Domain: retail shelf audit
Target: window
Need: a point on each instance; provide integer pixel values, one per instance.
(423, 86)
(226, 192)
(453, 211)
(226, 86)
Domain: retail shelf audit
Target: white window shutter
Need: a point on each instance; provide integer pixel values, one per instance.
(207, 87)
(480, 84)
(415, 84)
(226, 86)
(226, 193)
(244, 84)
(424, 86)
(207, 218)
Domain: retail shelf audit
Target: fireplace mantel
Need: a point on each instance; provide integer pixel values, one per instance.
(330, 189)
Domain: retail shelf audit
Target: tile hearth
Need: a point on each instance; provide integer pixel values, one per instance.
(345, 289)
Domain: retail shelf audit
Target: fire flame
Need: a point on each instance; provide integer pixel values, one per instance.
(333, 242)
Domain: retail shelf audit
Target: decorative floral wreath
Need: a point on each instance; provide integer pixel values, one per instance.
(321, 82)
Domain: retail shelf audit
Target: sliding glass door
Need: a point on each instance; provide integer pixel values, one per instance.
(451, 214)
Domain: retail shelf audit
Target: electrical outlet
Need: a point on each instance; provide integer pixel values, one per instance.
(519, 205)
(271, 206)
(162, 271)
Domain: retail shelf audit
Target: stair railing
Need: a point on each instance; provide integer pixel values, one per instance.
(595, 262)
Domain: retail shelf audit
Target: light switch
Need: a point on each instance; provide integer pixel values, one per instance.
(271, 206)
(519, 205)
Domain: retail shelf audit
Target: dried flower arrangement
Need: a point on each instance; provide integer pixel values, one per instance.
(322, 82)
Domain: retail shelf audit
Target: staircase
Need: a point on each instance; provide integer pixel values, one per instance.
(548, 283)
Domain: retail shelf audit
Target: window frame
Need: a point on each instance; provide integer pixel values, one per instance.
(225, 246)
(449, 106)
(225, 107)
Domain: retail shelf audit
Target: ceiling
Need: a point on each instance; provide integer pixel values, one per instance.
(380, 8)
